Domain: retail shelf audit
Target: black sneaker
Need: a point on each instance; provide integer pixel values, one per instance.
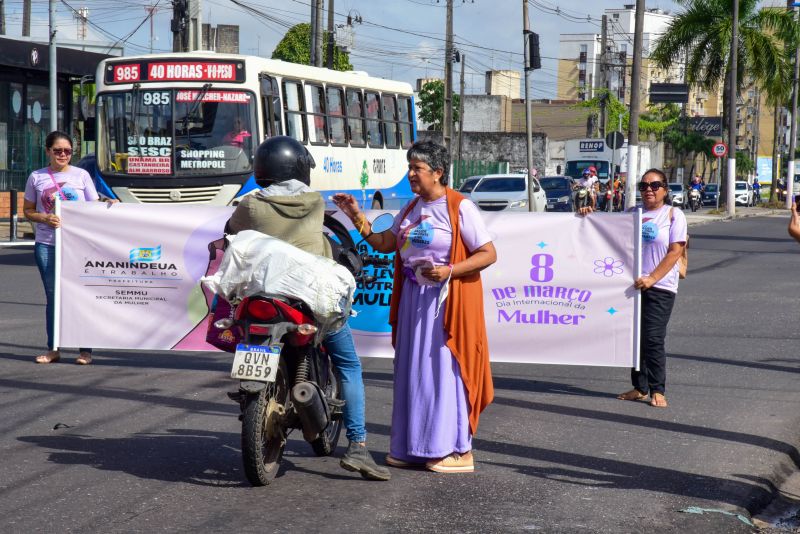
(358, 458)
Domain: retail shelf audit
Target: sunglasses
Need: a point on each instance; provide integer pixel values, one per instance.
(654, 186)
(61, 151)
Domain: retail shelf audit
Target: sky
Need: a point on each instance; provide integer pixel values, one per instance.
(398, 39)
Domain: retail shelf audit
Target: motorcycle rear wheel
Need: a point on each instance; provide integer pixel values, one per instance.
(263, 433)
(325, 444)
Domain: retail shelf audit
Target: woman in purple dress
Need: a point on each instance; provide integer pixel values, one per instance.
(442, 379)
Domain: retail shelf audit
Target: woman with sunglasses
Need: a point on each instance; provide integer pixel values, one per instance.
(663, 238)
(57, 180)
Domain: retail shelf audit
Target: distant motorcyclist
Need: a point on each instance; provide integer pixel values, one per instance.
(589, 180)
(287, 208)
(756, 191)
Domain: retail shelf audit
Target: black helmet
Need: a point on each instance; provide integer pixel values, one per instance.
(282, 158)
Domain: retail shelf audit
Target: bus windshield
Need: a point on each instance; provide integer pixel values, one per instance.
(176, 132)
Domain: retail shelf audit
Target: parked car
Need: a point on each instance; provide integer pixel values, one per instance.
(678, 194)
(559, 192)
(743, 193)
(710, 195)
(468, 185)
(498, 192)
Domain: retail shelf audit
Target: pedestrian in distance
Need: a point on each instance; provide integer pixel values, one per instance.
(442, 378)
(59, 180)
(288, 209)
(664, 235)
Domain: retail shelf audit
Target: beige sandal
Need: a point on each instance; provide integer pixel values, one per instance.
(51, 356)
(632, 395)
(84, 359)
(658, 400)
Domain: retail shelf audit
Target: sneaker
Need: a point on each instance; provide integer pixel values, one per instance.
(358, 458)
(397, 462)
(455, 463)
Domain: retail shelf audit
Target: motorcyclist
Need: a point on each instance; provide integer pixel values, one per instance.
(589, 181)
(697, 183)
(287, 208)
(756, 191)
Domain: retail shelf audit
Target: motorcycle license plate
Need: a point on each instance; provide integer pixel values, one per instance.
(256, 362)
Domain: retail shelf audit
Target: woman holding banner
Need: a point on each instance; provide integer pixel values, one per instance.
(663, 238)
(57, 180)
(442, 379)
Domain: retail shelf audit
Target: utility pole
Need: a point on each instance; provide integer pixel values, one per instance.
(331, 30)
(734, 92)
(151, 10)
(793, 132)
(603, 76)
(318, 34)
(2, 17)
(26, 18)
(463, 60)
(447, 127)
(82, 16)
(633, 124)
(526, 36)
(53, 70)
(313, 44)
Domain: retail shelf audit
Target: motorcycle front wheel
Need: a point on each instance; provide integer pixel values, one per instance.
(325, 444)
(263, 431)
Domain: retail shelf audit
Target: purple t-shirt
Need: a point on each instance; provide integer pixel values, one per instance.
(425, 231)
(75, 184)
(658, 233)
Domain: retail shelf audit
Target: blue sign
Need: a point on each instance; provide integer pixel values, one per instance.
(764, 170)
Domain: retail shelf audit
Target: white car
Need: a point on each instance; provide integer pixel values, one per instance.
(498, 192)
(679, 196)
(743, 193)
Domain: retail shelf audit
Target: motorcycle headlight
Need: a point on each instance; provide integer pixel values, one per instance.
(518, 204)
(565, 198)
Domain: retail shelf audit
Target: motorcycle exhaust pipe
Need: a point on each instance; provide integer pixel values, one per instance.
(309, 402)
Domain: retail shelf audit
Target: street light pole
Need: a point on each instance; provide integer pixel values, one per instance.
(526, 35)
(730, 198)
(53, 70)
(793, 130)
(633, 123)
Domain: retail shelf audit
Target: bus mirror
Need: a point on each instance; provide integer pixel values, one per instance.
(90, 129)
(382, 223)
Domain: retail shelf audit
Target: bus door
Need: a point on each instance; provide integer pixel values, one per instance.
(271, 105)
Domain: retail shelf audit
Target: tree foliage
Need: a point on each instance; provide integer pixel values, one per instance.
(431, 104)
(295, 47)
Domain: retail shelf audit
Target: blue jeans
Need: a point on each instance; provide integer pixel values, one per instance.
(342, 351)
(46, 262)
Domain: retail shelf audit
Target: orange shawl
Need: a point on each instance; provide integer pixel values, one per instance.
(464, 322)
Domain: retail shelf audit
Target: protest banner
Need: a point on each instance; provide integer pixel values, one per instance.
(561, 291)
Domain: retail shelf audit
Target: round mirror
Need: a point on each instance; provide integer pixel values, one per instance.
(382, 223)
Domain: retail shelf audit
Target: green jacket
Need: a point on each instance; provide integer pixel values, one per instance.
(289, 211)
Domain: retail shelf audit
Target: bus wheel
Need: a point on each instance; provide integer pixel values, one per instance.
(376, 203)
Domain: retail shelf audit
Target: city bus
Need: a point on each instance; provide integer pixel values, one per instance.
(183, 128)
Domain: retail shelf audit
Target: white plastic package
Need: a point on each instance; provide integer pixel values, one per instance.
(259, 264)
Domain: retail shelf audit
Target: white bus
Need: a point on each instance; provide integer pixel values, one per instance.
(184, 127)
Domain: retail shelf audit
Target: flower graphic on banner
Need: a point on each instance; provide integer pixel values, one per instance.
(608, 266)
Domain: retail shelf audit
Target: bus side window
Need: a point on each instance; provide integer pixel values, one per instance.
(389, 120)
(336, 119)
(319, 133)
(373, 113)
(406, 115)
(270, 100)
(294, 109)
(355, 117)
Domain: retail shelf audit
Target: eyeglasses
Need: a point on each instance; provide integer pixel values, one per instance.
(654, 186)
(61, 151)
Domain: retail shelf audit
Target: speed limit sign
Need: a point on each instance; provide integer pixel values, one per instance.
(720, 150)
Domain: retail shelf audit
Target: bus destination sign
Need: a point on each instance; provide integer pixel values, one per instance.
(175, 71)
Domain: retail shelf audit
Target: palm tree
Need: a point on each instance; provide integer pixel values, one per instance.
(704, 29)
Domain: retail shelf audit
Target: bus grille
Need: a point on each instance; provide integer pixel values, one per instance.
(186, 195)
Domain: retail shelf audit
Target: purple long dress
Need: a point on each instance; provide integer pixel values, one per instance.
(430, 414)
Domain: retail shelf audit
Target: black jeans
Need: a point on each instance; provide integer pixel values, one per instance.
(656, 310)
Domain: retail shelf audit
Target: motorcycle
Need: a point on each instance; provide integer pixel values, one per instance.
(694, 199)
(583, 197)
(286, 378)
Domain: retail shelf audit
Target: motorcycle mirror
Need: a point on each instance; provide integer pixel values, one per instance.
(382, 223)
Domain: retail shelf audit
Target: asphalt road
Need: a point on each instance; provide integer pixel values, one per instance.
(143, 442)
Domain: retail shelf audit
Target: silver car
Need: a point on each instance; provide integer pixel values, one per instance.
(679, 196)
(498, 192)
